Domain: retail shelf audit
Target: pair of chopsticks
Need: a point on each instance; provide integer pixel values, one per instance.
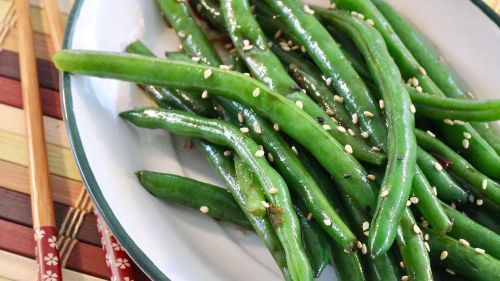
(45, 233)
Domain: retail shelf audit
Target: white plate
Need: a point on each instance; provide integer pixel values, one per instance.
(169, 241)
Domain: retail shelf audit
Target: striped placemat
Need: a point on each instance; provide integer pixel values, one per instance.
(80, 244)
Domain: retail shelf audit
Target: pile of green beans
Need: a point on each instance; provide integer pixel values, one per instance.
(317, 143)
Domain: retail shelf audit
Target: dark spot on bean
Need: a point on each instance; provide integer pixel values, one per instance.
(346, 176)
(320, 119)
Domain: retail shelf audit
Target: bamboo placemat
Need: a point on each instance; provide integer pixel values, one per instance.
(81, 250)
(80, 244)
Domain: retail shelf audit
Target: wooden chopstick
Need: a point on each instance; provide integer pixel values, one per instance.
(42, 207)
(55, 22)
(110, 244)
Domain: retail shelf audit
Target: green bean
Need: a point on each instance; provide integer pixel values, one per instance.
(440, 274)
(217, 201)
(413, 248)
(250, 187)
(296, 176)
(481, 184)
(463, 259)
(315, 241)
(474, 233)
(428, 204)
(291, 119)
(193, 39)
(280, 208)
(479, 152)
(210, 11)
(401, 143)
(447, 189)
(440, 108)
(265, 66)
(489, 133)
(383, 267)
(348, 265)
(238, 63)
(330, 60)
(483, 217)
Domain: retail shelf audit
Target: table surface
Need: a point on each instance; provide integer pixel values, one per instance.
(81, 251)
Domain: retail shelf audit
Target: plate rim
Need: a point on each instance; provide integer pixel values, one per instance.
(88, 178)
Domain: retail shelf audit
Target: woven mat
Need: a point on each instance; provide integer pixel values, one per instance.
(81, 247)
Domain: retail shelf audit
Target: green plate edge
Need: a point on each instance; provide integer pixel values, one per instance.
(135, 253)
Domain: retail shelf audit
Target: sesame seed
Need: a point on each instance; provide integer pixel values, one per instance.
(384, 193)
(381, 104)
(244, 130)
(285, 48)
(370, 22)
(371, 177)
(240, 117)
(365, 135)
(405, 278)
(359, 244)
(299, 104)
(443, 255)
(450, 271)
(464, 242)
(303, 49)
(341, 129)
(431, 134)
(416, 229)
(366, 233)
(361, 16)
(329, 81)
(295, 150)
(256, 92)
(246, 42)
(427, 247)
(309, 216)
(259, 153)
(459, 122)
(484, 183)
(419, 89)
(402, 264)
(376, 149)
(453, 205)
(471, 198)
(348, 148)
(204, 95)
(247, 47)
(308, 10)
(204, 209)
(276, 127)
(273, 190)
(270, 44)
(332, 6)
(257, 129)
(465, 143)
(196, 59)
(408, 203)
(207, 73)
(434, 191)
(425, 223)
(327, 222)
(479, 202)
(413, 109)
(364, 250)
(228, 153)
(338, 99)
(225, 67)
(368, 114)
(467, 135)
(351, 132)
(422, 70)
(181, 34)
(355, 118)
(414, 200)
(354, 13)
(265, 204)
(270, 157)
(327, 127)
(479, 250)
(278, 34)
(438, 166)
(365, 226)
(426, 237)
